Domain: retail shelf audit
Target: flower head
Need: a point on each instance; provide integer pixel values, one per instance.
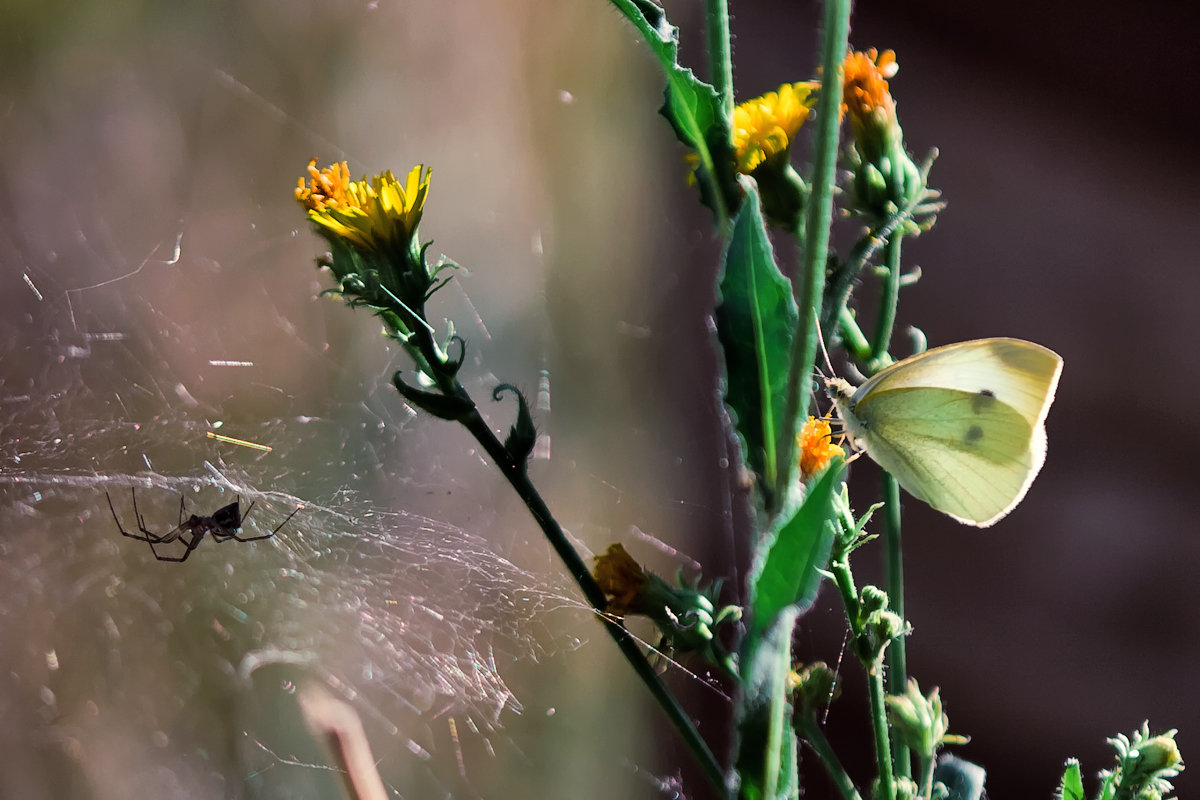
(919, 721)
(865, 92)
(763, 128)
(379, 214)
(812, 686)
(621, 578)
(1144, 764)
(816, 448)
(884, 177)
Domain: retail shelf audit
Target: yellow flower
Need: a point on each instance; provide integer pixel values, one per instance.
(378, 214)
(764, 127)
(621, 578)
(815, 447)
(865, 92)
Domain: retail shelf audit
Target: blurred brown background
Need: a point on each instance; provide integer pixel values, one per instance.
(148, 231)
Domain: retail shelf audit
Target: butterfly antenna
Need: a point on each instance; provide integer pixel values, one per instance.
(824, 352)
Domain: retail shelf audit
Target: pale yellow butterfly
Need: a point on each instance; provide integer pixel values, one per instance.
(961, 427)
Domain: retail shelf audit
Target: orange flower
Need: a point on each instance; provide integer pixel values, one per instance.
(621, 578)
(816, 447)
(379, 214)
(865, 92)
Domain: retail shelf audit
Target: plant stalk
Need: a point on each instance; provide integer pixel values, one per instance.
(720, 60)
(896, 656)
(517, 477)
(889, 298)
(873, 663)
(422, 348)
(812, 733)
(811, 278)
(883, 751)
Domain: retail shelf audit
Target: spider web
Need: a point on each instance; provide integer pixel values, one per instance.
(162, 331)
(403, 617)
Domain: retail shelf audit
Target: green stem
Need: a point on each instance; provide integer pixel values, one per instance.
(422, 348)
(844, 579)
(812, 733)
(628, 645)
(853, 339)
(720, 69)
(720, 61)
(926, 788)
(811, 278)
(889, 298)
(883, 751)
(897, 658)
(845, 273)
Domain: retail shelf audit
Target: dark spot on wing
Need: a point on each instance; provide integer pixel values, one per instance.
(982, 400)
(1022, 356)
(974, 434)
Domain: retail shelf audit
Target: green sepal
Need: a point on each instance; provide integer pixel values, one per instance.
(442, 406)
(692, 106)
(756, 319)
(523, 434)
(784, 195)
(450, 365)
(766, 748)
(789, 561)
(1071, 787)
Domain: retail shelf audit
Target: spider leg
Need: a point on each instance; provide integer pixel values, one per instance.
(181, 509)
(265, 535)
(173, 534)
(285, 520)
(192, 545)
(150, 537)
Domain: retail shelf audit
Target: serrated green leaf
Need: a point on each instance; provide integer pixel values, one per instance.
(1071, 787)
(766, 750)
(756, 320)
(786, 571)
(692, 106)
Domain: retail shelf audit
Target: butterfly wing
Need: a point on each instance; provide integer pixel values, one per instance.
(1019, 374)
(968, 455)
(962, 426)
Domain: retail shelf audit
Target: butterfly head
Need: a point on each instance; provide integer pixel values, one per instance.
(840, 391)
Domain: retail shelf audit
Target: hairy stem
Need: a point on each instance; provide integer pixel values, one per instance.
(811, 279)
(517, 477)
(889, 298)
(897, 658)
(720, 61)
(812, 733)
(883, 751)
(423, 349)
(840, 567)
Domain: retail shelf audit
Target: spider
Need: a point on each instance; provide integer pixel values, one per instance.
(224, 524)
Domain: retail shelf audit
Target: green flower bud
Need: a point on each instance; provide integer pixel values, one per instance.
(919, 722)
(885, 177)
(873, 600)
(812, 686)
(1159, 753)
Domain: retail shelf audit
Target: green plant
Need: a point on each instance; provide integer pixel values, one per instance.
(768, 331)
